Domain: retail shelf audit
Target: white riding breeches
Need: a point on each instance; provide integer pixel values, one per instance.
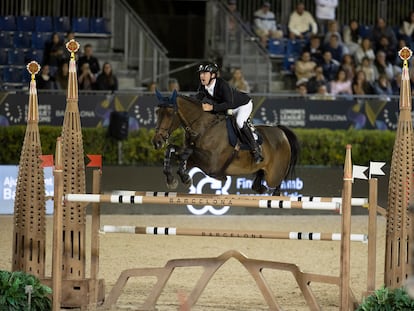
(242, 113)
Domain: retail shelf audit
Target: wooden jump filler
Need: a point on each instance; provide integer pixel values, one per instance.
(29, 231)
(400, 195)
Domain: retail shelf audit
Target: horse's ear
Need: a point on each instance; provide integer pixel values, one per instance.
(159, 95)
(174, 97)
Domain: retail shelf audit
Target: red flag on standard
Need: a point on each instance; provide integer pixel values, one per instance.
(47, 160)
(95, 160)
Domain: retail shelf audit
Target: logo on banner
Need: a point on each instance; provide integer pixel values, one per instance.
(207, 183)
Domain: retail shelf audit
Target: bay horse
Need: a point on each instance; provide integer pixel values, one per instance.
(207, 146)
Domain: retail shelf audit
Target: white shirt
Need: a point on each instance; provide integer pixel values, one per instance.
(210, 88)
(265, 21)
(299, 24)
(325, 9)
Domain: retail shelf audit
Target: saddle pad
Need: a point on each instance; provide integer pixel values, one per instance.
(233, 136)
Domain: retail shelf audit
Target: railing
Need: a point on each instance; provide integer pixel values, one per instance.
(240, 49)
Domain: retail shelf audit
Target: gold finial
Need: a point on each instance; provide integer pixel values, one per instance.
(73, 47)
(33, 68)
(405, 54)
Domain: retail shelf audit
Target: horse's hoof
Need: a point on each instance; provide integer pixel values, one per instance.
(173, 184)
(261, 189)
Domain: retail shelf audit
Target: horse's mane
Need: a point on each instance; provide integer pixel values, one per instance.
(191, 99)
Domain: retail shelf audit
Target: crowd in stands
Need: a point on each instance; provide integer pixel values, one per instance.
(343, 59)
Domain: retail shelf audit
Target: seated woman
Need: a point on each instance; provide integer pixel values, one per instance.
(106, 79)
(341, 85)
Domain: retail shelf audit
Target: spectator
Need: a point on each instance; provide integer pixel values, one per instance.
(335, 47)
(382, 66)
(238, 81)
(152, 86)
(314, 47)
(364, 50)
(106, 80)
(383, 86)
(407, 30)
(368, 68)
(390, 52)
(348, 65)
(265, 24)
(44, 80)
(86, 78)
(301, 23)
(397, 59)
(228, 28)
(317, 80)
(332, 30)
(62, 76)
(396, 84)
(341, 85)
(173, 85)
(89, 58)
(360, 85)
(325, 12)
(330, 66)
(381, 29)
(54, 49)
(301, 88)
(352, 37)
(322, 94)
(66, 55)
(304, 66)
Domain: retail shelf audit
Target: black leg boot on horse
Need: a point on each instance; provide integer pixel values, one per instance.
(249, 139)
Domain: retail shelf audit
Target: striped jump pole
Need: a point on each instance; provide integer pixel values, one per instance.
(200, 200)
(354, 201)
(317, 236)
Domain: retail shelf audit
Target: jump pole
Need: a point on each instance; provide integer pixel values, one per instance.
(354, 201)
(309, 236)
(199, 200)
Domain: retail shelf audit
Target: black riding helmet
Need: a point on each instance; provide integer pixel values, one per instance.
(208, 67)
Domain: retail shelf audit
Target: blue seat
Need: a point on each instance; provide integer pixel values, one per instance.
(4, 56)
(8, 23)
(16, 57)
(12, 74)
(277, 47)
(365, 31)
(61, 24)
(99, 25)
(294, 47)
(22, 40)
(288, 62)
(36, 55)
(81, 24)
(39, 39)
(25, 23)
(43, 24)
(5, 40)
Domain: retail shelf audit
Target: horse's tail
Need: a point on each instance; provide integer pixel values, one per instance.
(294, 148)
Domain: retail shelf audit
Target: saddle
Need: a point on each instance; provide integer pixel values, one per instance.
(234, 135)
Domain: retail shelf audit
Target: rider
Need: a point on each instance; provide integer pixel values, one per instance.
(216, 95)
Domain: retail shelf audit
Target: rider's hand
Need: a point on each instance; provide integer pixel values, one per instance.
(207, 107)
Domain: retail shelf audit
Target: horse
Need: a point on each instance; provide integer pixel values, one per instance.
(207, 146)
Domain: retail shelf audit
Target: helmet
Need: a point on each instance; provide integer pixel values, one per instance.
(208, 67)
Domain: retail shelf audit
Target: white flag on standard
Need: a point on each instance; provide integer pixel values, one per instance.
(358, 172)
(375, 168)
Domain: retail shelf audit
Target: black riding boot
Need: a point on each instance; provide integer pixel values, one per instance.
(254, 146)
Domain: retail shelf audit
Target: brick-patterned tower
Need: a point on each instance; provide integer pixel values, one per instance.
(400, 192)
(74, 215)
(29, 234)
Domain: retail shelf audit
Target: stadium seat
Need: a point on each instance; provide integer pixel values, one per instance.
(39, 39)
(99, 25)
(81, 24)
(25, 23)
(13, 74)
(16, 57)
(294, 47)
(4, 56)
(36, 55)
(5, 40)
(43, 24)
(8, 23)
(277, 47)
(22, 40)
(61, 24)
